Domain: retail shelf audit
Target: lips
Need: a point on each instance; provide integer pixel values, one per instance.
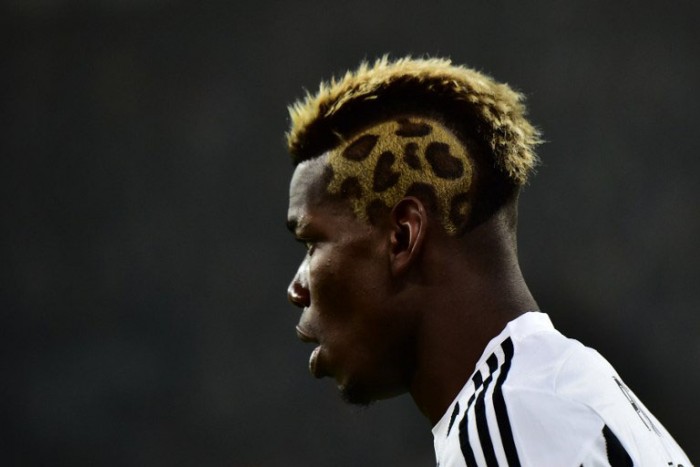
(306, 336)
(313, 363)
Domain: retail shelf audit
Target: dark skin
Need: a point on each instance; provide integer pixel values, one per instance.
(400, 306)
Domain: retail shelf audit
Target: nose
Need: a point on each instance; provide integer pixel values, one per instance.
(298, 292)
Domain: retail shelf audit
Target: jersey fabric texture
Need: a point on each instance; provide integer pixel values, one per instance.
(538, 398)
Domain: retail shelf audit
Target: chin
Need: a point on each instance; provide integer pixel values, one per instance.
(361, 395)
(355, 395)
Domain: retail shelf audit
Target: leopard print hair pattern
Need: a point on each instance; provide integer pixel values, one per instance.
(408, 156)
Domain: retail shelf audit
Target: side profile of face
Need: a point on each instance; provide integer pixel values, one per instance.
(346, 291)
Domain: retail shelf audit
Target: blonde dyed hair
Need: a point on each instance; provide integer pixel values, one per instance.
(404, 157)
(497, 112)
(447, 134)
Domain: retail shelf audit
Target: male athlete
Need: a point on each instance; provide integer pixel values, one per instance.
(405, 195)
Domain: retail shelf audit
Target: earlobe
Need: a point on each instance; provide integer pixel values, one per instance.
(409, 223)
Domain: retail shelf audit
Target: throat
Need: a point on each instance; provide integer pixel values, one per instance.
(447, 355)
(439, 379)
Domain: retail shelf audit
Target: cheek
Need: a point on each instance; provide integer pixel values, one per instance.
(347, 285)
(331, 289)
(351, 278)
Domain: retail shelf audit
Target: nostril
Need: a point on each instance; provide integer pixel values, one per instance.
(297, 294)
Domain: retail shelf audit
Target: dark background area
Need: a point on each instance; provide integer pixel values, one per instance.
(144, 180)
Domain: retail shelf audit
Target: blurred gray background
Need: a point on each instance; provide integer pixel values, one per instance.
(144, 181)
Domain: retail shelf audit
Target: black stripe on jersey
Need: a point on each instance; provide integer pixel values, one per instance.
(480, 411)
(481, 422)
(617, 455)
(478, 381)
(464, 444)
(499, 405)
(453, 417)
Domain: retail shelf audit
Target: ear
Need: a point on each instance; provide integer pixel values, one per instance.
(409, 223)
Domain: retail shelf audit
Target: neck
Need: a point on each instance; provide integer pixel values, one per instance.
(470, 299)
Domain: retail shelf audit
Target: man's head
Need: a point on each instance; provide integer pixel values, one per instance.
(392, 161)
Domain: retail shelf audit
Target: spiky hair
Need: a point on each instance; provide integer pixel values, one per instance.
(470, 102)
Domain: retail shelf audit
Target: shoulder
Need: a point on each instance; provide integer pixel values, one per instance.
(551, 396)
(511, 412)
(537, 397)
(567, 405)
(548, 362)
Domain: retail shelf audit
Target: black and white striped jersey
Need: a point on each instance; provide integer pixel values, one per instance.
(538, 398)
